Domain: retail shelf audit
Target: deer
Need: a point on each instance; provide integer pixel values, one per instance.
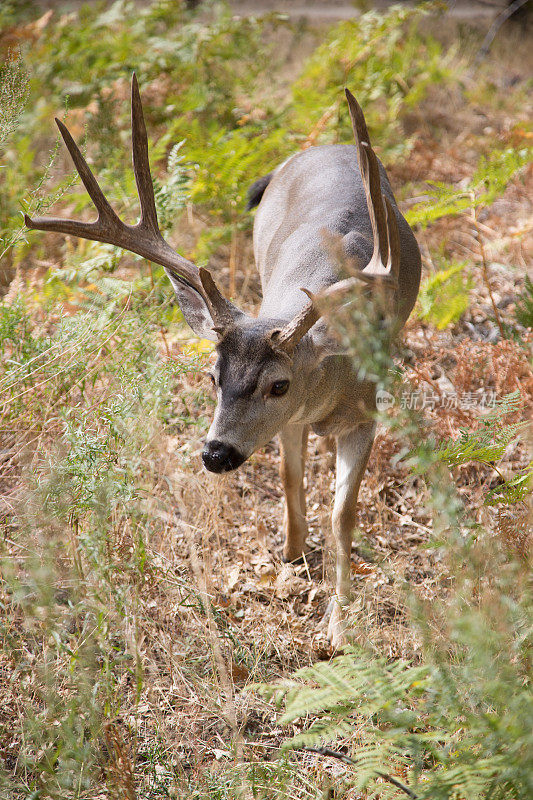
(282, 372)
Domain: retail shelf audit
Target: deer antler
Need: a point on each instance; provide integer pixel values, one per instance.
(393, 238)
(387, 277)
(145, 238)
(369, 168)
(288, 337)
(383, 267)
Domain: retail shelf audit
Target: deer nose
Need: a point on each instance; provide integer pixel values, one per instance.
(220, 457)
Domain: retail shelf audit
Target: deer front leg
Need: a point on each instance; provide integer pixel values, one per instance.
(353, 450)
(293, 451)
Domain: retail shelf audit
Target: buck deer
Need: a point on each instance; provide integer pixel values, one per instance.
(281, 372)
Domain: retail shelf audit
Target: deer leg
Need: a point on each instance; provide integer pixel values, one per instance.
(293, 451)
(353, 450)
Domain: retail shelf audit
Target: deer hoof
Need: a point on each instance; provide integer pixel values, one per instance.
(294, 545)
(293, 554)
(335, 618)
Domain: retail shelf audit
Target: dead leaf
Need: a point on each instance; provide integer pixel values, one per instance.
(362, 568)
(233, 577)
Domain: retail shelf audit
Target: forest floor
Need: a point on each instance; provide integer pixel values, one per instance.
(225, 534)
(217, 609)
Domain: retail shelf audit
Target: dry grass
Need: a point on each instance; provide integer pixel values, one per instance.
(214, 609)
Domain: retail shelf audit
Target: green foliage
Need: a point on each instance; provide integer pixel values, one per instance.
(524, 306)
(444, 296)
(97, 465)
(461, 725)
(82, 529)
(340, 693)
(492, 175)
(161, 37)
(19, 172)
(198, 68)
(458, 725)
(85, 392)
(515, 490)
(67, 361)
(224, 170)
(234, 157)
(172, 194)
(14, 12)
(203, 72)
(259, 779)
(13, 92)
(199, 72)
(487, 443)
(387, 63)
(494, 172)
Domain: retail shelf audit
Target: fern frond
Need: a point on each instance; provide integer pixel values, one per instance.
(488, 443)
(351, 683)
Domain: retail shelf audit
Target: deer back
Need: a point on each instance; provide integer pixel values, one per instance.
(317, 192)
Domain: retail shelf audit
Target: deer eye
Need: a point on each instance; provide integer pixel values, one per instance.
(279, 388)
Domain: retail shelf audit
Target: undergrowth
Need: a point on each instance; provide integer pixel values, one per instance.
(139, 598)
(457, 724)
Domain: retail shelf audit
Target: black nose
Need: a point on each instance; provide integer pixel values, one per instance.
(220, 457)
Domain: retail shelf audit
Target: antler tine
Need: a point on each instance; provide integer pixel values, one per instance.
(378, 216)
(387, 275)
(289, 336)
(84, 171)
(393, 262)
(141, 163)
(144, 238)
(369, 168)
(87, 230)
(222, 310)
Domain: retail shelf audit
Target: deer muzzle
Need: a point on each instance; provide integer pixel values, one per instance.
(221, 457)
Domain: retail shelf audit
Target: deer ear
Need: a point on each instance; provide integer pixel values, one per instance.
(194, 309)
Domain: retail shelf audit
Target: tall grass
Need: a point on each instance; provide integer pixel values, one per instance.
(140, 598)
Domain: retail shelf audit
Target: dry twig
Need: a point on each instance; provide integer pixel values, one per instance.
(325, 751)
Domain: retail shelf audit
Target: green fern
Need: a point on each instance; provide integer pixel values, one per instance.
(524, 307)
(460, 726)
(487, 443)
(388, 61)
(353, 692)
(171, 194)
(492, 175)
(514, 490)
(444, 296)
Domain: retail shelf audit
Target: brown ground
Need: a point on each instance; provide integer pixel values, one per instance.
(224, 535)
(274, 610)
